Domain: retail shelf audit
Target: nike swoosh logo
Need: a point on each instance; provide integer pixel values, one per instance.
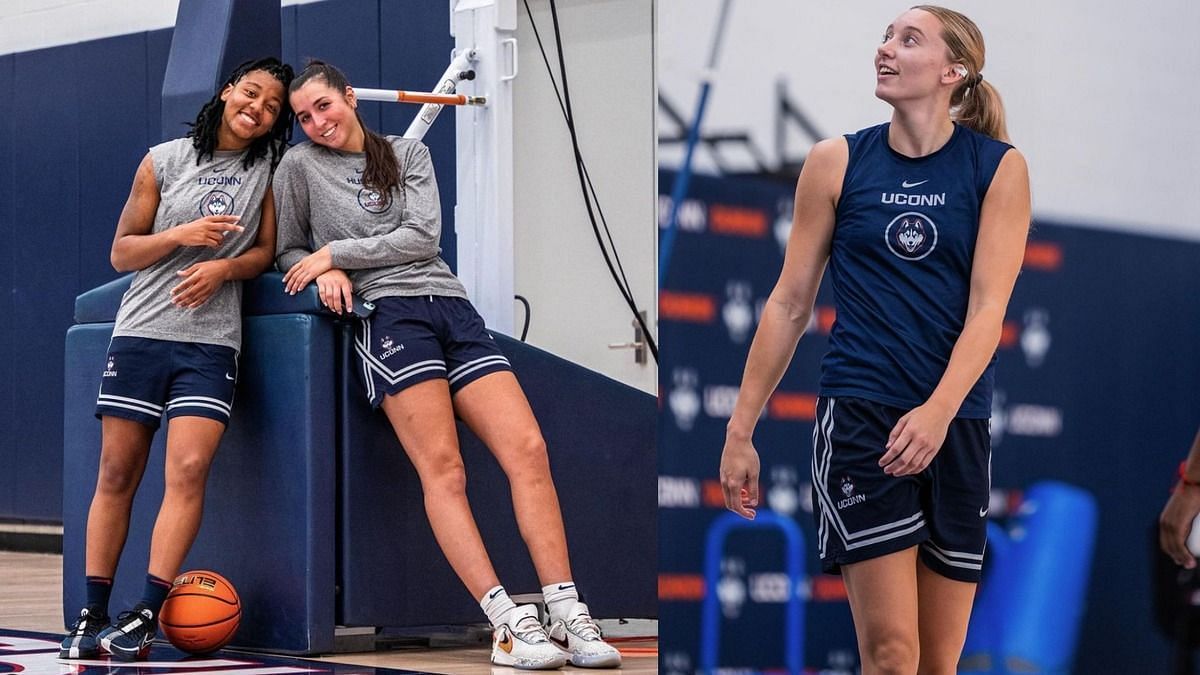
(505, 643)
(222, 169)
(563, 587)
(497, 592)
(561, 642)
(983, 513)
(229, 378)
(906, 184)
(358, 171)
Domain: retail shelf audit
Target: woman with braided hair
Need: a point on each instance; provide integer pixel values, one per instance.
(200, 218)
(922, 222)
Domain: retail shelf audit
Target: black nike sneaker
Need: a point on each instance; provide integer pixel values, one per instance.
(83, 640)
(130, 637)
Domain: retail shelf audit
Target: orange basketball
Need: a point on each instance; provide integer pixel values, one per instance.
(201, 613)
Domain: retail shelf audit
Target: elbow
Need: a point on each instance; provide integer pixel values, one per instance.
(119, 263)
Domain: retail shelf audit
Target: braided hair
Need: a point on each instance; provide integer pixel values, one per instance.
(204, 130)
(382, 171)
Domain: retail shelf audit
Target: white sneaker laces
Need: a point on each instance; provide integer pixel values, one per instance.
(529, 629)
(583, 626)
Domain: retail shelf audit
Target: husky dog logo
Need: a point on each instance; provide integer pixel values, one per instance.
(111, 368)
(389, 347)
(911, 235)
(1036, 338)
(216, 203)
(783, 222)
(731, 588)
(847, 486)
(684, 399)
(737, 312)
(374, 201)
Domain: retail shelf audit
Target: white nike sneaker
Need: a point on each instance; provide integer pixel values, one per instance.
(579, 636)
(522, 643)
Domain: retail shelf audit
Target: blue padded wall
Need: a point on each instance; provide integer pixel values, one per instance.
(45, 272)
(269, 514)
(598, 434)
(8, 445)
(105, 131)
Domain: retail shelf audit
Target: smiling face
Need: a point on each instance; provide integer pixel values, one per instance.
(913, 60)
(252, 105)
(328, 116)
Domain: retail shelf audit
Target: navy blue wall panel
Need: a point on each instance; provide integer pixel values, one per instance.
(158, 47)
(405, 23)
(110, 147)
(8, 456)
(45, 268)
(287, 28)
(344, 33)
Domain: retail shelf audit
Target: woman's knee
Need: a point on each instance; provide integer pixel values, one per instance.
(119, 474)
(444, 474)
(897, 654)
(526, 459)
(188, 471)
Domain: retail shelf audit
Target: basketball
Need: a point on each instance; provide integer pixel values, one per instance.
(201, 613)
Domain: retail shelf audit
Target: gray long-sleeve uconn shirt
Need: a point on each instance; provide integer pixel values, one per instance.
(387, 244)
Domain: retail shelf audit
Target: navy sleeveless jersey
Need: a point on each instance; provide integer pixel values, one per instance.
(901, 267)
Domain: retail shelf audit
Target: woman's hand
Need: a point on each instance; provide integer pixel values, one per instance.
(334, 289)
(200, 281)
(915, 440)
(1175, 524)
(310, 267)
(207, 231)
(739, 475)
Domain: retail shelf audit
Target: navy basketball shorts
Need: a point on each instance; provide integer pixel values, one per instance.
(408, 340)
(146, 380)
(863, 513)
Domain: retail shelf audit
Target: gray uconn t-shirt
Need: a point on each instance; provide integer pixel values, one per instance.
(387, 244)
(187, 191)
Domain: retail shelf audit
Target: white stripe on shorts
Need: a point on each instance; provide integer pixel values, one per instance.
(198, 404)
(953, 563)
(183, 400)
(135, 401)
(471, 366)
(127, 406)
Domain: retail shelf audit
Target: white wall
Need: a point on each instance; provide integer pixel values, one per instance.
(1101, 95)
(577, 310)
(34, 24)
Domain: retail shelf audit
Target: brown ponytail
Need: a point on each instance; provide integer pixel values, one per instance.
(975, 103)
(382, 172)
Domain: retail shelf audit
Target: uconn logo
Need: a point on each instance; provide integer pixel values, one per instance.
(374, 201)
(217, 203)
(911, 235)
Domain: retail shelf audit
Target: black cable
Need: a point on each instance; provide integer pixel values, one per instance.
(563, 108)
(528, 315)
(584, 178)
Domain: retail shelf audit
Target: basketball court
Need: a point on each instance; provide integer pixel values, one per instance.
(31, 628)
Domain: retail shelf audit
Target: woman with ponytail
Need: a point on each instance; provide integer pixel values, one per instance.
(922, 222)
(360, 212)
(200, 218)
